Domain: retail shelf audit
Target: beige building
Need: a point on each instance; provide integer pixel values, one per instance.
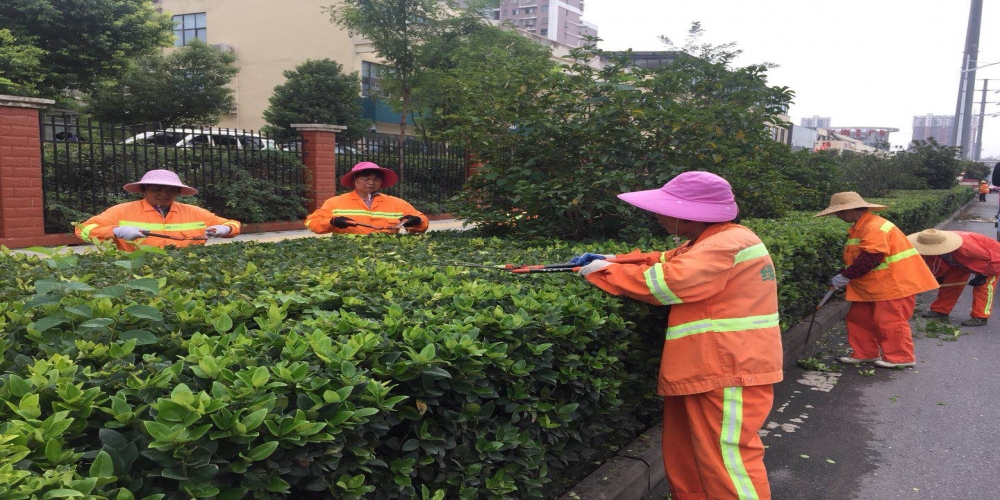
(269, 38)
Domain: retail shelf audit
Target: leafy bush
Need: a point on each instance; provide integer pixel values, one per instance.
(82, 179)
(362, 367)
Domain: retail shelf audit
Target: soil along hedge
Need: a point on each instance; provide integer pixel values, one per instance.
(330, 368)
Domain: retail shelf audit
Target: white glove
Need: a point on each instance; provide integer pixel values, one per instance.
(839, 281)
(594, 266)
(217, 231)
(128, 233)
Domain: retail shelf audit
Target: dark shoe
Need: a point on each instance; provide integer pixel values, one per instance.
(974, 322)
(886, 364)
(933, 314)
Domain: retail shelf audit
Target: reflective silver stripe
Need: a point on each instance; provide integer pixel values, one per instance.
(185, 226)
(657, 285)
(722, 325)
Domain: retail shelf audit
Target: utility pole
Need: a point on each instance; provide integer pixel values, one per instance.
(982, 119)
(963, 109)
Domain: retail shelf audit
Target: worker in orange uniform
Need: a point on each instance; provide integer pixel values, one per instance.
(984, 188)
(722, 351)
(953, 256)
(364, 210)
(180, 224)
(883, 276)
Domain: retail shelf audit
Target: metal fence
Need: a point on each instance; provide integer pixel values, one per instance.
(239, 174)
(432, 172)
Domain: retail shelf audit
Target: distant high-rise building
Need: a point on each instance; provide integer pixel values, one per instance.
(940, 128)
(816, 122)
(557, 20)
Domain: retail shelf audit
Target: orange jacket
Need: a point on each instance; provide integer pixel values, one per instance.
(978, 254)
(901, 274)
(722, 330)
(182, 220)
(984, 188)
(385, 211)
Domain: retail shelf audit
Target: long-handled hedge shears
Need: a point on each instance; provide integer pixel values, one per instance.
(563, 267)
(394, 227)
(171, 236)
(812, 321)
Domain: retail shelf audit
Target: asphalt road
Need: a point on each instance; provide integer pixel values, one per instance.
(930, 432)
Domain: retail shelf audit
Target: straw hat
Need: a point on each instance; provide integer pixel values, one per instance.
(695, 196)
(389, 178)
(160, 178)
(847, 201)
(934, 242)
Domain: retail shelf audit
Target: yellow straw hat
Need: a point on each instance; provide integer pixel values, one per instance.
(846, 201)
(934, 242)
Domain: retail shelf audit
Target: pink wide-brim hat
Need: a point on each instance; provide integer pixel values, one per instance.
(694, 196)
(389, 178)
(161, 178)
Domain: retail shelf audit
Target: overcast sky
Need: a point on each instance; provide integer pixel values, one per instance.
(877, 63)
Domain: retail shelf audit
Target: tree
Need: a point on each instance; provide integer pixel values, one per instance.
(78, 43)
(474, 69)
(316, 92)
(555, 161)
(937, 164)
(395, 28)
(186, 87)
(19, 66)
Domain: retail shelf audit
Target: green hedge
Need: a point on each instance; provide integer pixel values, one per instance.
(341, 367)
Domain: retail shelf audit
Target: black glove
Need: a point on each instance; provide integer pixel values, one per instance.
(410, 220)
(978, 280)
(342, 222)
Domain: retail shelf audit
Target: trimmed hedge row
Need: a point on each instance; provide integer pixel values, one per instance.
(343, 367)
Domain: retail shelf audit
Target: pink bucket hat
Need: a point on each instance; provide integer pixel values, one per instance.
(160, 178)
(694, 196)
(389, 178)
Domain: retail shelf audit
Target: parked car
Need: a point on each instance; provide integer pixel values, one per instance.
(211, 137)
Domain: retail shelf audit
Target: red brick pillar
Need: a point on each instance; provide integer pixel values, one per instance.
(22, 219)
(321, 161)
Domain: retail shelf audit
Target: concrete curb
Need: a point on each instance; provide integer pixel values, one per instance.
(639, 466)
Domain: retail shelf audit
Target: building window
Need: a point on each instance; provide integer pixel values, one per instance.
(371, 76)
(505, 13)
(529, 10)
(513, 12)
(545, 8)
(189, 27)
(543, 32)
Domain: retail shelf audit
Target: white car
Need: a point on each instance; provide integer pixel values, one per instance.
(211, 137)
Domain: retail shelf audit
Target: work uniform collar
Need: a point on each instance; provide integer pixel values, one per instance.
(147, 207)
(712, 231)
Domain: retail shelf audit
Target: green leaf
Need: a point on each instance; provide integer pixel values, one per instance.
(147, 284)
(144, 312)
(141, 337)
(49, 322)
(62, 493)
(263, 451)
(223, 323)
(102, 466)
(97, 323)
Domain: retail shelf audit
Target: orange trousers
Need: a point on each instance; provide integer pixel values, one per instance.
(953, 284)
(884, 326)
(711, 450)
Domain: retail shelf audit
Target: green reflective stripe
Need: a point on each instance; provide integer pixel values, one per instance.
(187, 226)
(85, 233)
(386, 215)
(663, 256)
(722, 325)
(755, 252)
(853, 241)
(990, 289)
(895, 258)
(729, 443)
(235, 223)
(887, 226)
(658, 286)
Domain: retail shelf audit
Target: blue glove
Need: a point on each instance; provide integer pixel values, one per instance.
(587, 258)
(217, 231)
(128, 233)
